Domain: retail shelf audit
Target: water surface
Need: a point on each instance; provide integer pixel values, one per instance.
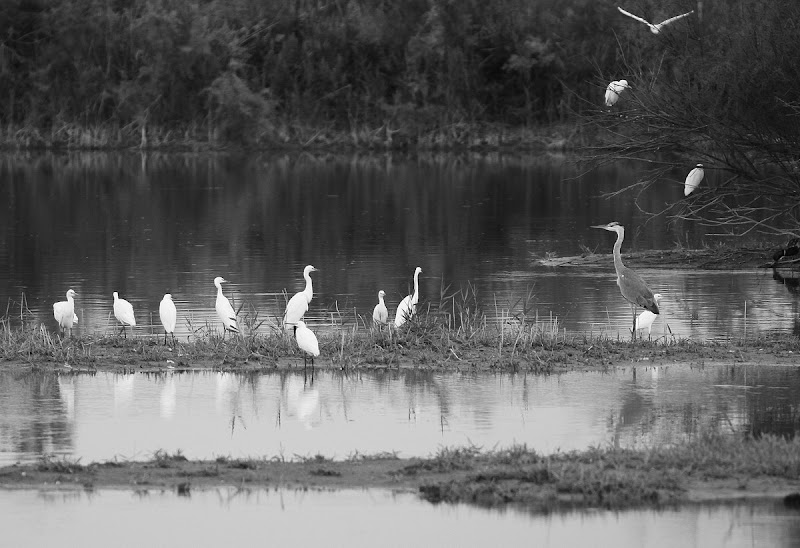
(208, 414)
(145, 224)
(353, 518)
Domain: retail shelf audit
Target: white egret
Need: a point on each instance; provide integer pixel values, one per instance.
(64, 312)
(645, 319)
(123, 311)
(169, 316)
(224, 309)
(631, 285)
(408, 306)
(380, 315)
(298, 304)
(693, 179)
(306, 341)
(655, 29)
(614, 90)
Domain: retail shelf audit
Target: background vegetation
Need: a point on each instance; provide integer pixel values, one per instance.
(264, 71)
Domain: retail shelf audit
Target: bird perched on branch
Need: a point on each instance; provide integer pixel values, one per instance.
(631, 285)
(790, 250)
(614, 90)
(693, 179)
(655, 29)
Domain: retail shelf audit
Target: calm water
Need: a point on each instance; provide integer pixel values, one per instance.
(354, 518)
(145, 224)
(206, 414)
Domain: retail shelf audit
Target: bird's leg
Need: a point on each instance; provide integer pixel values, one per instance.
(173, 338)
(633, 331)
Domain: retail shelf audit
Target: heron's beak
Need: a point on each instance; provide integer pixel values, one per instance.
(598, 226)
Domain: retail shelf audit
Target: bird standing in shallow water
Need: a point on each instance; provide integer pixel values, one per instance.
(64, 312)
(307, 342)
(224, 309)
(298, 304)
(655, 29)
(790, 250)
(123, 311)
(631, 285)
(408, 306)
(380, 315)
(645, 319)
(693, 179)
(168, 315)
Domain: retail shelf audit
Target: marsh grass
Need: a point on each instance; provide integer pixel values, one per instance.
(603, 477)
(443, 330)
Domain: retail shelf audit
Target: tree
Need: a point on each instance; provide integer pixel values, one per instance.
(722, 90)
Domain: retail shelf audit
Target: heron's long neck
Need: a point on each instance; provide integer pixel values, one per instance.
(416, 285)
(309, 290)
(380, 299)
(617, 246)
(219, 292)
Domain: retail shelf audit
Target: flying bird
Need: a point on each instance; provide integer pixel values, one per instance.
(380, 315)
(307, 342)
(224, 309)
(168, 315)
(64, 312)
(631, 285)
(655, 29)
(408, 306)
(123, 311)
(614, 90)
(298, 304)
(693, 179)
(645, 319)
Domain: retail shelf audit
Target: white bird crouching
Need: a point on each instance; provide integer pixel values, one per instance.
(655, 29)
(169, 316)
(297, 306)
(645, 319)
(123, 311)
(306, 342)
(408, 306)
(693, 179)
(64, 312)
(380, 314)
(614, 90)
(224, 309)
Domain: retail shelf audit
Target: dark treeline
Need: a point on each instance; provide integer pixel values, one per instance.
(255, 71)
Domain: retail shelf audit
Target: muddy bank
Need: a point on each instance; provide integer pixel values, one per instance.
(710, 468)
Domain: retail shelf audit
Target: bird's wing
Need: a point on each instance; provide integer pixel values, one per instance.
(673, 19)
(629, 14)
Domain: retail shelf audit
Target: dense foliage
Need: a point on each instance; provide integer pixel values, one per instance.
(243, 69)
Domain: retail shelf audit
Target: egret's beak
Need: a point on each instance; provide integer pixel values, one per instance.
(604, 227)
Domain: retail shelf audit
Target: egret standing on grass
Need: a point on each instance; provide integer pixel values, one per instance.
(408, 306)
(123, 311)
(655, 29)
(693, 179)
(64, 312)
(380, 315)
(631, 285)
(645, 319)
(307, 342)
(614, 90)
(298, 304)
(224, 309)
(168, 315)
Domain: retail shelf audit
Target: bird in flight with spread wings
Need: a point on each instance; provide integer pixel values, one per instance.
(655, 29)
